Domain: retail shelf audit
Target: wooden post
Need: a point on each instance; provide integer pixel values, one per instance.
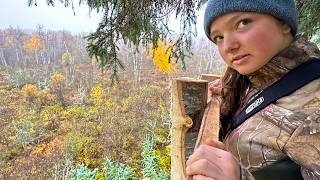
(210, 123)
(189, 98)
(193, 120)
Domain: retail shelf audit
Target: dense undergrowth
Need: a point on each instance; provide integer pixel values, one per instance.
(56, 129)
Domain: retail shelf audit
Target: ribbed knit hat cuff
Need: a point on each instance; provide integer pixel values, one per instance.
(284, 11)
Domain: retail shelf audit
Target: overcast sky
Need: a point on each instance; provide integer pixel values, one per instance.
(17, 13)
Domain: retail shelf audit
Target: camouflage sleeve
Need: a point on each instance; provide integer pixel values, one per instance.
(304, 147)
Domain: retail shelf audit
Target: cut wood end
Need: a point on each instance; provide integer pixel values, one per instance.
(210, 77)
(188, 79)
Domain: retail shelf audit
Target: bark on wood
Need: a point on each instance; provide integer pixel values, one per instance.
(189, 99)
(210, 123)
(193, 120)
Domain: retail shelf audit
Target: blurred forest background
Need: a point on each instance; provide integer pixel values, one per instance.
(60, 118)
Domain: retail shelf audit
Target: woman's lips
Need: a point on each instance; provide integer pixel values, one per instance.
(238, 60)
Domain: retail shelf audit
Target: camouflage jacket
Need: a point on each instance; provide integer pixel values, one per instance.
(289, 127)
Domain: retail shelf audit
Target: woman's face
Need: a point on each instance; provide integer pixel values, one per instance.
(247, 41)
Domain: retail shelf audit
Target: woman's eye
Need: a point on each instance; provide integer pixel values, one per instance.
(217, 39)
(243, 23)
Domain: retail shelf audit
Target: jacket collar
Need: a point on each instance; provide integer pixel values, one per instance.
(298, 52)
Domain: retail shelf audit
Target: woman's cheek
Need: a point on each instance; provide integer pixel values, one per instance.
(224, 57)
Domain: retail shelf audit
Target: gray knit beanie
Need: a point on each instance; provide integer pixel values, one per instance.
(283, 10)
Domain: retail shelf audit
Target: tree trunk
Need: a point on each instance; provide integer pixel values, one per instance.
(139, 71)
(36, 56)
(2, 58)
(135, 68)
(17, 55)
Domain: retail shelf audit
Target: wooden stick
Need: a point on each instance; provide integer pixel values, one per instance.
(210, 123)
(188, 102)
(193, 121)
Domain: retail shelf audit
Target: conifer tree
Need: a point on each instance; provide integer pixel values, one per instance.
(309, 18)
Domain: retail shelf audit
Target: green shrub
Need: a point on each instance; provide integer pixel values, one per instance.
(63, 170)
(117, 171)
(150, 167)
(25, 133)
(19, 77)
(74, 142)
(10, 153)
(83, 173)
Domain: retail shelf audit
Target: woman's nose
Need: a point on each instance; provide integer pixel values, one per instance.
(231, 43)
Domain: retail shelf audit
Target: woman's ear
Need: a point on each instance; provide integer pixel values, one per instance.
(285, 28)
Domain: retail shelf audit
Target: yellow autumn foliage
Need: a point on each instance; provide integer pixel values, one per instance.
(97, 94)
(66, 58)
(57, 84)
(29, 90)
(57, 79)
(164, 159)
(75, 113)
(30, 93)
(161, 57)
(50, 111)
(45, 97)
(34, 43)
(101, 103)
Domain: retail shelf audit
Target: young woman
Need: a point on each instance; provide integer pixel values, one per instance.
(257, 40)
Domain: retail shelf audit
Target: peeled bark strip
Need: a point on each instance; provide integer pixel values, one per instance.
(210, 123)
(189, 98)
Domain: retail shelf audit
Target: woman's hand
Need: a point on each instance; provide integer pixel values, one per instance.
(212, 161)
(215, 86)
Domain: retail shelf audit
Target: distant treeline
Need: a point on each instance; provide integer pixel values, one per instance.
(24, 47)
(34, 48)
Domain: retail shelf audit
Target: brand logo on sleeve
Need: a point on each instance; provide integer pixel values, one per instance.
(255, 104)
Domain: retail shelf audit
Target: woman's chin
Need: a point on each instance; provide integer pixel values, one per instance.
(245, 71)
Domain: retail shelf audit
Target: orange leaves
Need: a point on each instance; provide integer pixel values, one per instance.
(29, 92)
(48, 149)
(161, 56)
(34, 43)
